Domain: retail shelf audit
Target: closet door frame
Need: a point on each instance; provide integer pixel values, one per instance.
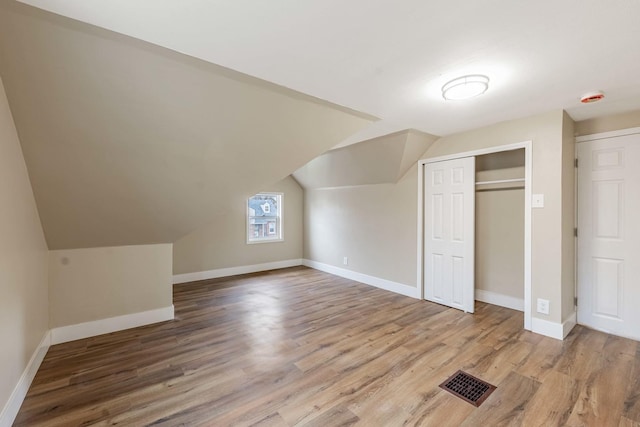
(527, 215)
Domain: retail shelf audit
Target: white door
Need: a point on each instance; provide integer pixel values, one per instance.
(609, 235)
(449, 222)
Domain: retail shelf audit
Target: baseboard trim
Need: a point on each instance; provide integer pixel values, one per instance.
(10, 410)
(500, 299)
(234, 271)
(569, 324)
(385, 284)
(555, 330)
(112, 324)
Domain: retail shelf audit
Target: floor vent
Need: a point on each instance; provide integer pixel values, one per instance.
(467, 387)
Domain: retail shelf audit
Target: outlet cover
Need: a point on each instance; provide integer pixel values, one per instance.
(543, 306)
(345, 261)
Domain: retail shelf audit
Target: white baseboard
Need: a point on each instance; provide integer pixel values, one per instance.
(385, 284)
(10, 410)
(234, 271)
(547, 328)
(569, 324)
(499, 299)
(112, 324)
(552, 329)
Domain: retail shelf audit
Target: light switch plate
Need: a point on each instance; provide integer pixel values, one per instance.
(537, 201)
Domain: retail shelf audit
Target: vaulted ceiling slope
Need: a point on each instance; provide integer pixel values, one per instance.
(390, 58)
(129, 143)
(382, 160)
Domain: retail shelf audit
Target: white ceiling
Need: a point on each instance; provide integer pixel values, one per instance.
(389, 59)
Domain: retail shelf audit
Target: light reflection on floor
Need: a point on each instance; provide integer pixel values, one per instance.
(263, 316)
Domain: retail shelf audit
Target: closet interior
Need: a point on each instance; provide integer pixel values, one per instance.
(499, 223)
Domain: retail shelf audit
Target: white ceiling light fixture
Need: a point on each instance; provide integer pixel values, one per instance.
(465, 87)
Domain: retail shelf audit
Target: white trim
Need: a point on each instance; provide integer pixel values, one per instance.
(604, 135)
(575, 236)
(547, 328)
(528, 239)
(528, 183)
(420, 261)
(11, 408)
(569, 324)
(500, 299)
(552, 329)
(610, 332)
(111, 324)
(234, 271)
(280, 238)
(387, 285)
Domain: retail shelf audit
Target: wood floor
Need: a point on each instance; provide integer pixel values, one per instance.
(301, 347)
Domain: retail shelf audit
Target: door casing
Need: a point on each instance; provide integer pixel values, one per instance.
(527, 146)
(589, 138)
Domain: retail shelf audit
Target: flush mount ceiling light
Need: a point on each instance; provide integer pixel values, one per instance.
(465, 87)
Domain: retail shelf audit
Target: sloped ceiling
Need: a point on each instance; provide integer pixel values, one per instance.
(391, 58)
(129, 143)
(381, 160)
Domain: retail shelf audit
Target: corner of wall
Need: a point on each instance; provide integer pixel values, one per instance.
(125, 281)
(12, 407)
(222, 243)
(23, 254)
(568, 281)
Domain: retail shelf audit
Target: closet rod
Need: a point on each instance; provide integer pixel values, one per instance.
(511, 187)
(500, 181)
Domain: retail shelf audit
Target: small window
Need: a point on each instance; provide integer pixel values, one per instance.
(264, 218)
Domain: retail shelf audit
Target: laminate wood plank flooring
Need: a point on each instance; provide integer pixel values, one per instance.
(301, 347)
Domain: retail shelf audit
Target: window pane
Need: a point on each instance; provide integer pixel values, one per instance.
(264, 217)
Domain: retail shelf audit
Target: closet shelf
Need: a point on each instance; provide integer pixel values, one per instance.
(500, 181)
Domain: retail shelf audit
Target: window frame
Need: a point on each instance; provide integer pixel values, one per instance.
(277, 237)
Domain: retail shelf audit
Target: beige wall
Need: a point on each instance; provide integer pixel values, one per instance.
(128, 143)
(382, 160)
(24, 312)
(98, 283)
(373, 225)
(500, 242)
(608, 123)
(223, 242)
(545, 132)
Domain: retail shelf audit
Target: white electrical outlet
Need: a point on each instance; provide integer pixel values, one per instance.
(345, 261)
(543, 306)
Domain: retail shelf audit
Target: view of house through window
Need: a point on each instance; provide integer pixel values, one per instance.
(264, 218)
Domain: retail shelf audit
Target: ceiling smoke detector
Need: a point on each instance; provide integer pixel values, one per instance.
(590, 97)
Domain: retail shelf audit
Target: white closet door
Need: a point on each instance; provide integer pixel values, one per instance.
(449, 205)
(609, 235)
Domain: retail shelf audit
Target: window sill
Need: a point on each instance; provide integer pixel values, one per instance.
(255, 242)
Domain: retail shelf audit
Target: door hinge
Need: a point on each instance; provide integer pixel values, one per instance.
(575, 232)
(575, 301)
(576, 163)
